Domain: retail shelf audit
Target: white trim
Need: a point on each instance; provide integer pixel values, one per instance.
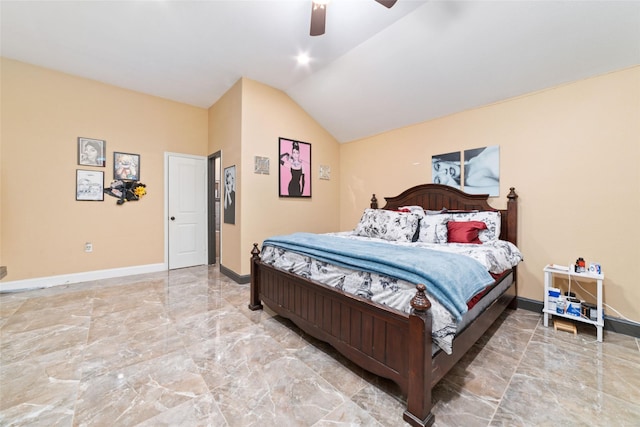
(67, 279)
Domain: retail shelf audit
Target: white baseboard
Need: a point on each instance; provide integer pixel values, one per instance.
(67, 279)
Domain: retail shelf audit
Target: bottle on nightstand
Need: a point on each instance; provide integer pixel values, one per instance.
(560, 305)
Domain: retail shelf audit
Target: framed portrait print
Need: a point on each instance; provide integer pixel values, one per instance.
(91, 152)
(446, 169)
(295, 168)
(126, 166)
(229, 195)
(482, 171)
(89, 185)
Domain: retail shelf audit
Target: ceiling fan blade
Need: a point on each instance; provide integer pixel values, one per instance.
(318, 18)
(387, 3)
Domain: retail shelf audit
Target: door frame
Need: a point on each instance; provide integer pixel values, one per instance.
(168, 154)
(211, 201)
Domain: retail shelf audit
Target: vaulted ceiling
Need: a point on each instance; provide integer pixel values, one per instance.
(374, 70)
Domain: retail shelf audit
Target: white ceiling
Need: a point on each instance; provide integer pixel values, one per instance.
(375, 69)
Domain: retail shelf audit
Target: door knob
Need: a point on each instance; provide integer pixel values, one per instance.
(173, 218)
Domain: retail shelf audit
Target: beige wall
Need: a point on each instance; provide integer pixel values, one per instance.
(225, 132)
(43, 227)
(266, 115)
(571, 152)
(573, 148)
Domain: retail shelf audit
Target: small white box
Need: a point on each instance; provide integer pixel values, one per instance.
(552, 297)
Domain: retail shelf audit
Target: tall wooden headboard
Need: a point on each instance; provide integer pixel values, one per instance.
(438, 196)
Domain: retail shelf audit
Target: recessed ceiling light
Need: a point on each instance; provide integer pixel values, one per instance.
(303, 59)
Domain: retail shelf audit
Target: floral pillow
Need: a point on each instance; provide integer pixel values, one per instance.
(388, 225)
(491, 218)
(433, 228)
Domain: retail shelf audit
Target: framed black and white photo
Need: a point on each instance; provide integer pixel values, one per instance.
(89, 185)
(229, 195)
(446, 169)
(295, 168)
(482, 171)
(126, 166)
(91, 152)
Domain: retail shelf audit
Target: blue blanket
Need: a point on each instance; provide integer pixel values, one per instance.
(451, 278)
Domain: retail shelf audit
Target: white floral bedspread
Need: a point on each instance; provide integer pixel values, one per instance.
(497, 256)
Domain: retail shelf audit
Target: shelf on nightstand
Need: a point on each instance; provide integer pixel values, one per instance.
(549, 271)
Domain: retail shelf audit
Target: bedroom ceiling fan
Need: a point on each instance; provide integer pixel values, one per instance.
(319, 14)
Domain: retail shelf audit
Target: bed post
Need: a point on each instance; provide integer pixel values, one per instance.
(255, 303)
(374, 202)
(512, 213)
(419, 404)
(512, 231)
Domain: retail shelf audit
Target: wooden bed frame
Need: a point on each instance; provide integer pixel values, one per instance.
(387, 343)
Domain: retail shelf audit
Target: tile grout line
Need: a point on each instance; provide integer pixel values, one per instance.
(517, 365)
(82, 362)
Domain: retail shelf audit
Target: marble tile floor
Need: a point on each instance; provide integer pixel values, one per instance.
(181, 348)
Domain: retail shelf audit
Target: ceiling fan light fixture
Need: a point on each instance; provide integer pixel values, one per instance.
(319, 14)
(318, 17)
(387, 3)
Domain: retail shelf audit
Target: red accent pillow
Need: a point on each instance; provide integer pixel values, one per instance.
(465, 232)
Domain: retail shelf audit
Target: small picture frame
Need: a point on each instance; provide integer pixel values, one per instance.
(261, 165)
(126, 166)
(89, 185)
(325, 172)
(91, 152)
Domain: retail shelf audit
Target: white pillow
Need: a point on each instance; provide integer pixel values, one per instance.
(420, 211)
(388, 225)
(491, 218)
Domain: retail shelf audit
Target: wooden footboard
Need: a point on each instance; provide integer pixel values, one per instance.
(383, 341)
(367, 334)
(372, 336)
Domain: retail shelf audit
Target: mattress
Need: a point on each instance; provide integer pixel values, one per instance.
(394, 293)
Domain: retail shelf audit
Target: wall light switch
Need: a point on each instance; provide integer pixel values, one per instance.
(88, 247)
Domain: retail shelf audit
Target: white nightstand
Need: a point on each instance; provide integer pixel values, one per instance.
(549, 271)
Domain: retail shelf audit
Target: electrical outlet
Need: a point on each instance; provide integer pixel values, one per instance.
(88, 247)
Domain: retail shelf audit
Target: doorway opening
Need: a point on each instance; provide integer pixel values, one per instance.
(213, 201)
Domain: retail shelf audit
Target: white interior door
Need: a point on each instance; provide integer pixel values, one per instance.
(187, 211)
